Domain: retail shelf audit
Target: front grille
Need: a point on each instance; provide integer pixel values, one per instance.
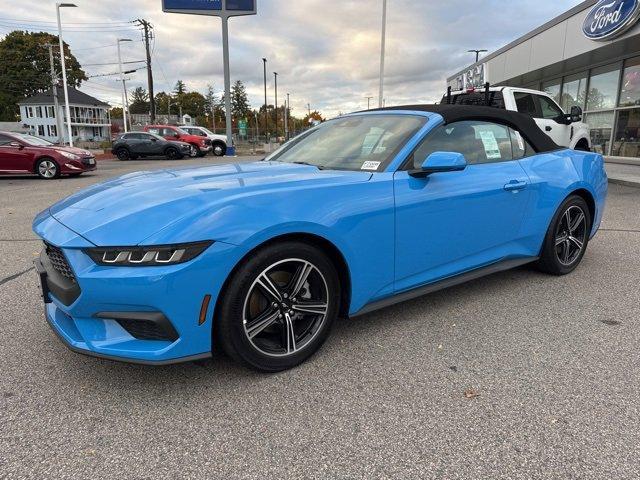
(88, 160)
(145, 329)
(59, 262)
(207, 141)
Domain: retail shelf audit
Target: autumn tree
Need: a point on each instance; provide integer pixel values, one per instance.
(25, 71)
(139, 101)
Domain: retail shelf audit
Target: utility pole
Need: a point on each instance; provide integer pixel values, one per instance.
(382, 48)
(65, 84)
(286, 119)
(147, 35)
(266, 107)
(54, 91)
(309, 108)
(477, 52)
(368, 102)
(125, 100)
(275, 75)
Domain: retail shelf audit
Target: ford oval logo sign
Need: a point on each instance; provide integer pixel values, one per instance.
(610, 18)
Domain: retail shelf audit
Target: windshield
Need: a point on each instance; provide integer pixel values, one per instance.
(360, 142)
(31, 140)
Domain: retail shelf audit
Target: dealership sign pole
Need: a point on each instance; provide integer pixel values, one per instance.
(223, 9)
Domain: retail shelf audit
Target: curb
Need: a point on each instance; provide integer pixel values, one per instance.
(626, 183)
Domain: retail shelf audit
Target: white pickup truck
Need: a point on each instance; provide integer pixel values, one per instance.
(567, 130)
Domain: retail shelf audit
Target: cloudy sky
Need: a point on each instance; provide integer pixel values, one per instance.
(325, 51)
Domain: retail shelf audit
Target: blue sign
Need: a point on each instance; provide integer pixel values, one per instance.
(192, 4)
(610, 18)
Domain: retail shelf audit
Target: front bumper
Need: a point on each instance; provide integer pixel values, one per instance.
(109, 316)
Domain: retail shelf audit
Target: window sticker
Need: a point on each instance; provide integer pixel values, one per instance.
(369, 165)
(490, 145)
(520, 140)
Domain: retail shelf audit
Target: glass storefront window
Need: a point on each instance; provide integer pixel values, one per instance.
(601, 125)
(626, 142)
(574, 91)
(603, 87)
(630, 92)
(552, 88)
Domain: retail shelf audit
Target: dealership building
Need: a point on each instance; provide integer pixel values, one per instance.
(589, 56)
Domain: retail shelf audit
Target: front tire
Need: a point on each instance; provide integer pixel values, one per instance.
(219, 149)
(567, 237)
(173, 153)
(47, 169)
(194, 151)
(278, 307)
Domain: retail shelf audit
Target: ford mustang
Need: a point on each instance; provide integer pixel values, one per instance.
(360, 212)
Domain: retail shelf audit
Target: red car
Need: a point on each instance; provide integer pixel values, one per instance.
(21, 153)
(200, 146)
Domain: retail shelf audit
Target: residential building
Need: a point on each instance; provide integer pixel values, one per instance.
(90, 120)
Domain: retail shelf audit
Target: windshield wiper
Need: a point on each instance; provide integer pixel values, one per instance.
(319, 167)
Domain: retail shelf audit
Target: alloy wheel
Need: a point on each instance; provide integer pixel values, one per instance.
(193, 151)
(571, 235)
(47, 169)
(218, 150)
(285, 307)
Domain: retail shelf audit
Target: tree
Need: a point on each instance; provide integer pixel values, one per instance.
(239, 101)
(313, 118)
(116, 112)
(139, 101)
(162, 103)
(180, 88)
(24, 68)
(193, 103)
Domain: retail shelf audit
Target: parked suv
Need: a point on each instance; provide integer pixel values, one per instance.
(143, 144)
(218, 142)
(566, 129)
(200, 146)
(20, 153)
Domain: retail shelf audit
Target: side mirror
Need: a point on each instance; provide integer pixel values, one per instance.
(576, 114)
(440, 162)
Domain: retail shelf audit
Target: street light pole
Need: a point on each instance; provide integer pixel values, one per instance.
(266, 108)
(275, 76)
(64, 70)
(382, 48)
(125, 100)
(477, 52)
(286, 119)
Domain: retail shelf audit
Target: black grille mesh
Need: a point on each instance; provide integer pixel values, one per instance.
(144, 330)
(59, 261)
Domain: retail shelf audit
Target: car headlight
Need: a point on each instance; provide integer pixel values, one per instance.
(72, 156)
(147, 256)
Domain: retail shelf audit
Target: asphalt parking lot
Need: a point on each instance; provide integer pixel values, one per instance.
(519, 375)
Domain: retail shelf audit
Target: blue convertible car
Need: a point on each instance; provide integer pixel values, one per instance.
(358, 213)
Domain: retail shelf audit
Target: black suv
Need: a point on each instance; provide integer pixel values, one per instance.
(142, 144)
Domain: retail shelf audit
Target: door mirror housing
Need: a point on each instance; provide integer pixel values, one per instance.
(575, 115)
(440, 162)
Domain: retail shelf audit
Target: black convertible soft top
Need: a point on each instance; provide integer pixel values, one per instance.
(526, 125)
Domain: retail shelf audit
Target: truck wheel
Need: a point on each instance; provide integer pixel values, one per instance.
(583, 146)
(219, 149)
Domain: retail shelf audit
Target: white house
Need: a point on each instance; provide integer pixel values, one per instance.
(90, 119)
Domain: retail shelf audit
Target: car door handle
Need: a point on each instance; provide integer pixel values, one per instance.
(548, 128)
(514, 185)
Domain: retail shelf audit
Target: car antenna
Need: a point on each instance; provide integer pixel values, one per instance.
(449, 95)
(487, 102)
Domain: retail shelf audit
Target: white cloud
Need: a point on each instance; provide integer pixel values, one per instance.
(326, 52)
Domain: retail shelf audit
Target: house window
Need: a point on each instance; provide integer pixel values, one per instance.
(52, 130)
(39, 112)
(41, 130)
(29, 112)
(52, 112)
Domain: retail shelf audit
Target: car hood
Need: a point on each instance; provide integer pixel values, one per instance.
(128, 209)
(74, 150)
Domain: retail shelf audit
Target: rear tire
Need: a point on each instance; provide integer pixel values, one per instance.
(123, 154)
(567, 237)
(277, 331)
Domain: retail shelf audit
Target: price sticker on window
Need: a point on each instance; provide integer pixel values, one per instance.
(490, 143)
